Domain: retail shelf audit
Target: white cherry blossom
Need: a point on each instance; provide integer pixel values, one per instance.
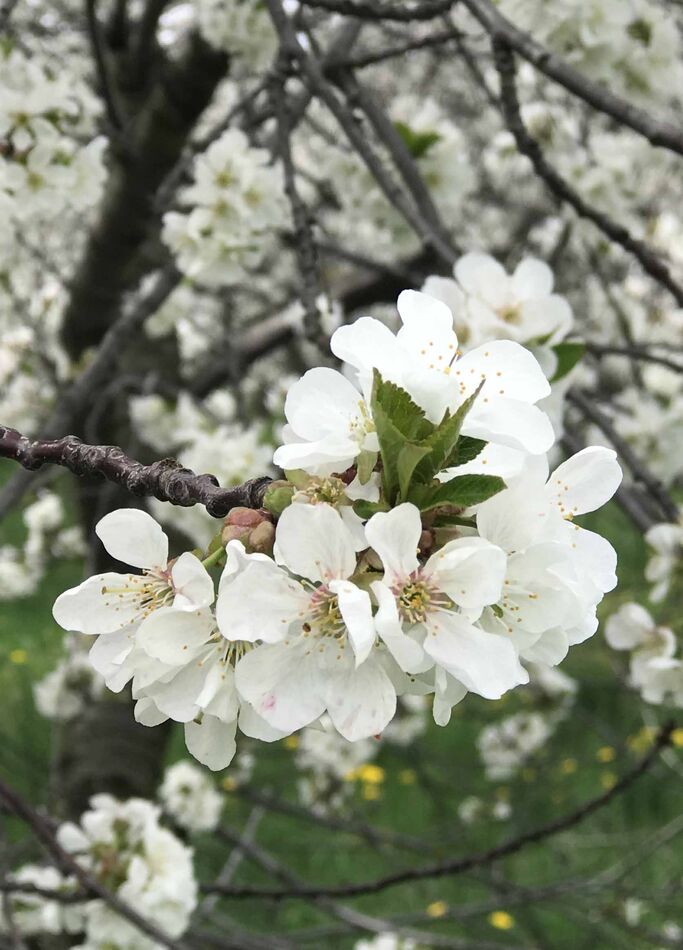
(438, 599)
(319, 632)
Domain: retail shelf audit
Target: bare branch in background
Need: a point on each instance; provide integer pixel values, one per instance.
(472, 861)
(563, 191)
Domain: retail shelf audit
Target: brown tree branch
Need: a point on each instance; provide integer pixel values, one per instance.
(166, 479)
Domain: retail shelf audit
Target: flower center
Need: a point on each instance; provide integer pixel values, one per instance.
(324, 618)
(149, 590)
(418, 597)
(362, 424)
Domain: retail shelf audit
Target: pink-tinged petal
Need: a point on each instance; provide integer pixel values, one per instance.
(394, 535)
(406, 651)
(101, 604)
(283, 683)
(133, 537)
(260, 602)
(356, 611)
(192, 583)
(174, 636)
(313, 542)
(485, 663)
(361, 702)
(211, 742)
(586, 481)
(470, 570)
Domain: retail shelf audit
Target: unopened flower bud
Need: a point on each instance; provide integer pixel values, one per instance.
(261, 538)
(278, 497)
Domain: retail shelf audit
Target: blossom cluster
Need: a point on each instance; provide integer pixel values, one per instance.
(235, 203)
(634, 41)
(655, 669)
(393, 559)
(43, 166)
(124, 846)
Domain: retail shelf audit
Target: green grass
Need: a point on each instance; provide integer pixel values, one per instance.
(419, 797)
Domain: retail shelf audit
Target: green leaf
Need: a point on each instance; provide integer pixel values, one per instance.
(467, 449)
(408, 458)
(398, 420)
(366, 509)
(460, 492)
(568, 355)
(417, 143)
(365, 464)
(444, 440)
(404, 413)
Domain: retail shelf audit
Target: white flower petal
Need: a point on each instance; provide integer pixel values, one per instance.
(211, 742)
(95, 606)
(147, 714)
(508, 369)
(407, 652)
(256, 727)
(356, 611)
(134, 537)
(361, 702)
(284, 685)
(483, 277)
(510, 422)
(630, 627)
(192, 583)
(322, 402)
(485, 663)
(585, 481)
(259, 603)
(174, 636)
(470, 570)
(532, 278)
(313, 542)
(395, 535)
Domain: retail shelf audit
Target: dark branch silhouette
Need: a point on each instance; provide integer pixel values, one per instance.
(166, 479)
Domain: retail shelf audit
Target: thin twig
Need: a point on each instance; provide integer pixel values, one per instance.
(401, 13)
(600, 97)
(639, 470)
(562, 190)
(472, 861)
(66, 862)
